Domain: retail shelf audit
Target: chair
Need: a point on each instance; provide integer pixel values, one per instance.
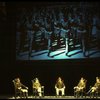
(98, 93)
(35, 92)
(94, 93)
(77, 40)
(21, 42)
(20, 91)
(73, 41)
(39, 39)
(80, 92)
(56, 41)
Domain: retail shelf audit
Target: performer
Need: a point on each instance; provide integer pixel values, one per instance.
(81, 84)
(50, 40)
(60, 87)
(83, 35)
(96, 86)
(80, 87)
(37, 86)
(20, 86)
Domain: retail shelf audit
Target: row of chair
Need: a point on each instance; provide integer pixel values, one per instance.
(23, 92)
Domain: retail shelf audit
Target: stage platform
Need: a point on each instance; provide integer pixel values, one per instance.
(48, 97)
(57, 54)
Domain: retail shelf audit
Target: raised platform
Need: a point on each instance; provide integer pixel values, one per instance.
(48, 97)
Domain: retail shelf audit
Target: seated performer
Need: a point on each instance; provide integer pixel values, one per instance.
(19, 86)
(96, 86)
(37, 87)
(60, 87)
(81, 85)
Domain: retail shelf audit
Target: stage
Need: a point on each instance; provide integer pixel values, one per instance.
(48, 97)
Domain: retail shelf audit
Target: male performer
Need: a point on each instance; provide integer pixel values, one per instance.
(19, 86)
(60, 87)
(96, 86)
(80, 87)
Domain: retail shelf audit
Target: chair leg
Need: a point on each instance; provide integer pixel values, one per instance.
(43, 94)
(20, 94)
(74, 94)
(96, 94)
(85, 94)
(78, 94)
(15, 95)
(81, 94)
(26, 94)
(92, 94)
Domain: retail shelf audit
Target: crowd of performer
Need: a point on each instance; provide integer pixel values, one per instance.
(42, 26)
(79, 89)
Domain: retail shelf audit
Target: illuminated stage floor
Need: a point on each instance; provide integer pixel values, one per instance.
(47, 97)
(58, 54)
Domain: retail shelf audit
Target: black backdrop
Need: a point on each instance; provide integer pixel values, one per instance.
(46, 71)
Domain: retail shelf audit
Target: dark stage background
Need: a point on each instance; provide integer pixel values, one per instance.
(47, 71)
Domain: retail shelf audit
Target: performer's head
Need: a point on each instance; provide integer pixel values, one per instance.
(97, 79)
(59, 79)
(82, 79)
(17, 79)
(36, 80)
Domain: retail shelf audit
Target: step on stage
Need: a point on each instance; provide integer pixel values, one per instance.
(48, 97)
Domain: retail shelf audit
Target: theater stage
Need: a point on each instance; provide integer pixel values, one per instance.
(48, 97)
